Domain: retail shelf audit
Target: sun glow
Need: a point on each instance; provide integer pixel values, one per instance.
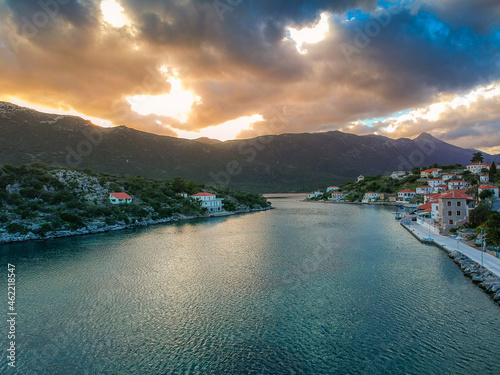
(94, 120)
(309, 35)
(113, 13)
(177, 104)
(223, 132)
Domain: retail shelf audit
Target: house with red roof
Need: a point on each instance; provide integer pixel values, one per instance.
(433, 172)
(457, 184)
(120, 198)
(405, 195)
(440, 188)
(492, 188)
(453, 210)
(476, 168)
(209, 201)
(435, 182)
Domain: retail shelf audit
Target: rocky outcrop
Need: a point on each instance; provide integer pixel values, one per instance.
(486, 280)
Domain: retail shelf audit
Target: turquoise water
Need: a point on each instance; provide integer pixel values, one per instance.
(307, 288)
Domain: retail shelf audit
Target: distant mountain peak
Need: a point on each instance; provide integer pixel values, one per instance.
(425, 135)
(208, 141)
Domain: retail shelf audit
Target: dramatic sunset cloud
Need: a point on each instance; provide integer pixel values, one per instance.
(244, 68)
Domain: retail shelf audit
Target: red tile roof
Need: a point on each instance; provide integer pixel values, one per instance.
(425, 207)
(120, 196)
(432, 170)
(455, 194)
(203, 195)
(488, 187)
(406, 191)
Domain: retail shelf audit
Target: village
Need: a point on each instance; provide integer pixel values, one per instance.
(440, 199)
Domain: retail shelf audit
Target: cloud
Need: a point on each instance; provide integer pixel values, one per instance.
(394, 57)
(470, 120)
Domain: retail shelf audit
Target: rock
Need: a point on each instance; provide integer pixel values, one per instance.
(477, 279)
(496, 297)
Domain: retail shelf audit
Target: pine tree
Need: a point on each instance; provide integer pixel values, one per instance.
(477, 157)
(493, 172)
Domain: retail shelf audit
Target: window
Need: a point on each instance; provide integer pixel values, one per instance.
(449, 213)
(449, 203)
(451, 222)
(458, 213)
(459, 204)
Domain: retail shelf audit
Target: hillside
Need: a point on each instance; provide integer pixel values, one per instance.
(39, 201)
(274, 163)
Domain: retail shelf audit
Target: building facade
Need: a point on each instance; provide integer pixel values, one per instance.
(120, 198)
(209, 201)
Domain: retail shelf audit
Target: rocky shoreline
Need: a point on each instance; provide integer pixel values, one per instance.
(486, 280)
(101, 228)
(481, 276)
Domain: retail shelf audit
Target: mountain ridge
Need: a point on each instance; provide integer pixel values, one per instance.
(270, 163)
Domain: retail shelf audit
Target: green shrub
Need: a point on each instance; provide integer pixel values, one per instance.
(71, 218)
(16, 228)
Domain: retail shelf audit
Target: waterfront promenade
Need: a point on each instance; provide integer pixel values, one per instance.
(490, 262)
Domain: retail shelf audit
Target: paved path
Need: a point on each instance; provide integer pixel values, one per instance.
(489, 261)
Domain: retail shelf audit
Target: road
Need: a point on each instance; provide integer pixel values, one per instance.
(489, 261)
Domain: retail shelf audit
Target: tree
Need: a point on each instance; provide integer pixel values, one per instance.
(479, 215)
(493, 228)
(493, 172)
(178, 185)
(477, 157)
(485, 194)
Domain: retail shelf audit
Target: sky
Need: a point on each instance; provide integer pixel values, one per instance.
(229, 69)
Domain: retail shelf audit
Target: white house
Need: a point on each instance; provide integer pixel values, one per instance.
(484, 178)
(120, 198)
(456, 184)
(405, 195)
(370, 196)
(360, 178)
(433, 172)
(332, 188)
(317, 193)
(424, 189)
(492, 188)
(398, 174)
(337, 196)
(209, 201)
(435, 182)
(448, 176)
(440, 188)
(478, 167)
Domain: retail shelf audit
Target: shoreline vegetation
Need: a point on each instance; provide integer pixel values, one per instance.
(40, 202)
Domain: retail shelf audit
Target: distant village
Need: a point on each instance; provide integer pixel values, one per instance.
(441, 197)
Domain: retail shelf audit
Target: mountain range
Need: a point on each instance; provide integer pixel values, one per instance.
(271, 163)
